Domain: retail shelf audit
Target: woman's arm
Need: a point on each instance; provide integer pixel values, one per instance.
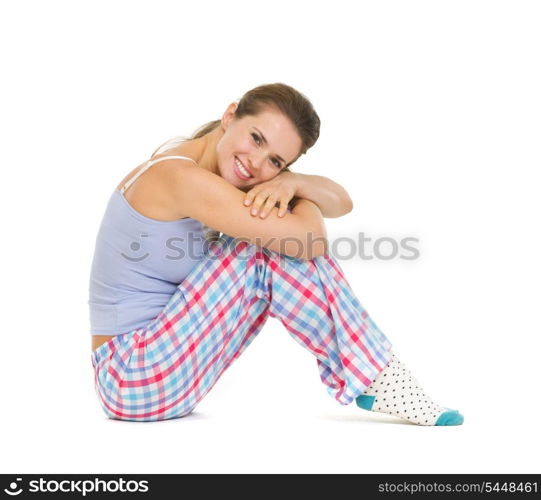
(331, 198)
(288, 187)
(217, 204)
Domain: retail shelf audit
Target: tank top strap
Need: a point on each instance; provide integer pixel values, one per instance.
(148, 165)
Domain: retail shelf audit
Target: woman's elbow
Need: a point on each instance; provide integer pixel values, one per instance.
(347, 205)
(342, 207)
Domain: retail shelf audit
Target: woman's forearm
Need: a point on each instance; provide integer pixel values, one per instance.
(331, 198)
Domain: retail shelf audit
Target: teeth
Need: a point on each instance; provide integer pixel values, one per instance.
(243, 171)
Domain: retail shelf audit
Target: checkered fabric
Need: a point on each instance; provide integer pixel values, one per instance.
(163, 370)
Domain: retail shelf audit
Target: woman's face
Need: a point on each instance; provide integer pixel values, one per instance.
(261, 145)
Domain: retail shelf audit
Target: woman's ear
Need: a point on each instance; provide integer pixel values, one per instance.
(229, 114)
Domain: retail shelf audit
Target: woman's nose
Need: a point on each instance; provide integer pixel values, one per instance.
(256, 161)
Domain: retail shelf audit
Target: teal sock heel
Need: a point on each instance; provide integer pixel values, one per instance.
(365, 402)
(452, 417)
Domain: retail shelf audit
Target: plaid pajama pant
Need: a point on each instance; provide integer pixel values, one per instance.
(163, 370)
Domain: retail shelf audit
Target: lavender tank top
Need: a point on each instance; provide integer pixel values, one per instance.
(138, 262)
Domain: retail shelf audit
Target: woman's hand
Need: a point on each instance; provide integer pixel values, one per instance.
(264, 196)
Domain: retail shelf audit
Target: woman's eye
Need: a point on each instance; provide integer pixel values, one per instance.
(257, 140)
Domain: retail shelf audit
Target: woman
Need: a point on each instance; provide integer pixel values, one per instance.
(172, 306)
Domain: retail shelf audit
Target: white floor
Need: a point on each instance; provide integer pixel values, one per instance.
(269, 414)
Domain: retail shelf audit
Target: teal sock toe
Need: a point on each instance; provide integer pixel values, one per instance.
(365, 402)
(450, 418)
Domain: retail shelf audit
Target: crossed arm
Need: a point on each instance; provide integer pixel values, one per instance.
(331, 198)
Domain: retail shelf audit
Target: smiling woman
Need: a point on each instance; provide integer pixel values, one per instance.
(256, 139)
(170, 313)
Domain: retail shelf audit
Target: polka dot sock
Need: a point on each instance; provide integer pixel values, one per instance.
(397, 392)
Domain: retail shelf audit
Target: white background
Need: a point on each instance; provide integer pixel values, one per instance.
(430, 118)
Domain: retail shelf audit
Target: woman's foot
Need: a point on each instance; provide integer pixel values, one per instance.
(397, 392)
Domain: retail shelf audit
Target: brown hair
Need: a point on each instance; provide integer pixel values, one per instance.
(284, 98)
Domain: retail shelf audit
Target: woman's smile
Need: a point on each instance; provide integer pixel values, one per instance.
(241, 171)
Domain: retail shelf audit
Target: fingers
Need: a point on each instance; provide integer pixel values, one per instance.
(283, 207)
(262, 204)
(255, 198)
(249, 197)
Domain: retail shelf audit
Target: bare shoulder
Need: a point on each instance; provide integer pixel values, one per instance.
(213, 201)
(130, 175)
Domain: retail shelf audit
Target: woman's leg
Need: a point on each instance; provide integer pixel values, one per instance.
(165, 369)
